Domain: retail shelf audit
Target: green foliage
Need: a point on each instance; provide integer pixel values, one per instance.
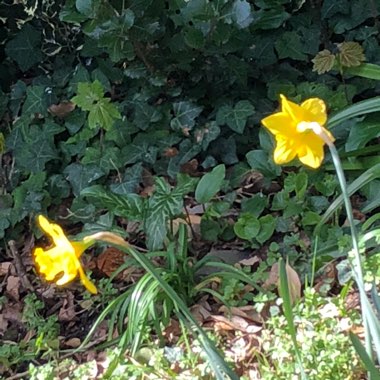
(91, 98)
(326, 349)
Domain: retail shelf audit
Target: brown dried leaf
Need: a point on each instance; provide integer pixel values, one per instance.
(13, 287)
(5, 268)
(62, 109)
(110, 260)
(247, 312)
(249, 262)
(294, 283)
(73, 342)
(67, 311)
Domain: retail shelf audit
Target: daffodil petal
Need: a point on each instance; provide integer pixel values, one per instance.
(66, 278)
(295, 112)
(86, 282)
(317, 108)
(279, 123)
(284, 151)
(313, 156)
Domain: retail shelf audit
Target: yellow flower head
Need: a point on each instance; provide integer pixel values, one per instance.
(294, 128)
(62, 258)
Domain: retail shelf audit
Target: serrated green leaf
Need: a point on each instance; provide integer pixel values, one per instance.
(323, 61)
(210, 184)
(25, 47)
(102, 113)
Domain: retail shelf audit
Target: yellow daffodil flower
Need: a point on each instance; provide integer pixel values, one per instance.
(63, 258)
(299, 131)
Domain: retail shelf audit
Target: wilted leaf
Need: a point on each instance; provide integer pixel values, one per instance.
(351, 54)
(110, 260)
(62, 109)
(323, 61)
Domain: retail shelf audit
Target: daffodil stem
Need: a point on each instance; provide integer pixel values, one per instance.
(357, 264)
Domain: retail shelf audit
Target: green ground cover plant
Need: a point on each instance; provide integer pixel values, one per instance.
(134, 117)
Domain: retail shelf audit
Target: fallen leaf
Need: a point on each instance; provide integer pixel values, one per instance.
(67, 311)
(110, 260)
(247, 312)
(249, 262)
(62, 109)
(13, 287)
(73, 342)
(5, 268)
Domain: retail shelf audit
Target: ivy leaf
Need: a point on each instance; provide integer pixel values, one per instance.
(81, 176)
(145, 114)
(36, 101)
(332, 7)
(270, 18)
(130, 181)
(350, 54)
(323, 61)
(25, 47)
(163, 204)
(101, 111)
(185, 114)
(235, 118)
(34, 146)
(289, 45)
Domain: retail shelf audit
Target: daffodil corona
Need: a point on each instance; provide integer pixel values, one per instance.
(299, 131)
(61, 262)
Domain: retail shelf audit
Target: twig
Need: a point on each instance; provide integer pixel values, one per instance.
(20, 269)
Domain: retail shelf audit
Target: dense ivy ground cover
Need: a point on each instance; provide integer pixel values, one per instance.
(163, 86)
(112, 110)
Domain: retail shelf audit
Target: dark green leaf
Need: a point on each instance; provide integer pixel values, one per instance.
(260, 161)
(235, 118)
(81, 176)
(185, 114)
(247, 226)
(25, 47)
(210, 184)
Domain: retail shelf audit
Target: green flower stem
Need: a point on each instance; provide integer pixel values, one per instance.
(357, 264)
